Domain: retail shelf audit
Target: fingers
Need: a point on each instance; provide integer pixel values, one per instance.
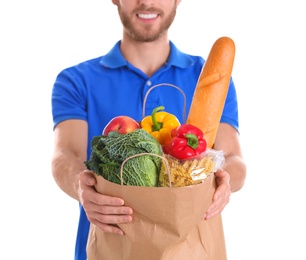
(102, 210)
(107, 213)
(86, 186)
(87, 178)
(106, 205)
(109, 228)
(221, 196)
(109, 222)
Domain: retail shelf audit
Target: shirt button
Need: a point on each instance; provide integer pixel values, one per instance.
(149, 83)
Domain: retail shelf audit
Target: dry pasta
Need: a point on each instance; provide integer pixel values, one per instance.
(187, 172)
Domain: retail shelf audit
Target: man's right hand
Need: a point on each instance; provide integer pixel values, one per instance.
(103, 211)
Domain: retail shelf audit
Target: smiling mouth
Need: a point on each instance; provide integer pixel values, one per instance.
(147, 16)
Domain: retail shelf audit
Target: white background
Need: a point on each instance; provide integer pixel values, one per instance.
(265, 220)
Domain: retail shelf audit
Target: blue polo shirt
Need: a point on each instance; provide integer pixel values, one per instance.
(101, 88)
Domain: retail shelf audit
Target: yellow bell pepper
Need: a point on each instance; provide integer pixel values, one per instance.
(160, 124)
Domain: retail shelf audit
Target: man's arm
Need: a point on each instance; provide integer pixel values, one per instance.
(70, 146)
(231, 178)
(72, 176)
(227, 140)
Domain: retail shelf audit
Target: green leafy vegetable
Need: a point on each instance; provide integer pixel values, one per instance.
(108, 153)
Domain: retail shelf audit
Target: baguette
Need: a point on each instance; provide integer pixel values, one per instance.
(211, 90)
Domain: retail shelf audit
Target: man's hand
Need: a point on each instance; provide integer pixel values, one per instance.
(103, 211)
(221, 195)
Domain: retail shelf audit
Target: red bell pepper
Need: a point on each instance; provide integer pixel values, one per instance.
(187, 142)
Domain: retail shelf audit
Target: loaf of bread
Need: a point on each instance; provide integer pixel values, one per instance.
(211, 89)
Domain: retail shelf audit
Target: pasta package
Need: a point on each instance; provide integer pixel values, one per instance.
(190, 171)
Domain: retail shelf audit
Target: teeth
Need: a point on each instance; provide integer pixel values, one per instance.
(147, 16)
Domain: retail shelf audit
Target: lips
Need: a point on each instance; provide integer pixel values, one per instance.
(147, 16)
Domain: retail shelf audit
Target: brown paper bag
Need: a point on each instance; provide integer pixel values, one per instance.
(167, 224)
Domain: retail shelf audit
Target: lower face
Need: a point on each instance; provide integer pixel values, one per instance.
(145, 23)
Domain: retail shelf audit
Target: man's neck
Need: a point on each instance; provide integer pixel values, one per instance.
(146, 56)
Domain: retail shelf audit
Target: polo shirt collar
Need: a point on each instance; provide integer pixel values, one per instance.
(114, 59)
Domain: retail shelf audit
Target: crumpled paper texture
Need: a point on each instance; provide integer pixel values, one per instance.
(167, 224)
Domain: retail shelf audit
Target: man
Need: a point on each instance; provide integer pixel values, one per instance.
(86, 96)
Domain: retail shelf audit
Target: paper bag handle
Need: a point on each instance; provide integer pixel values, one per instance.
(159, 85)
(139, 154)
